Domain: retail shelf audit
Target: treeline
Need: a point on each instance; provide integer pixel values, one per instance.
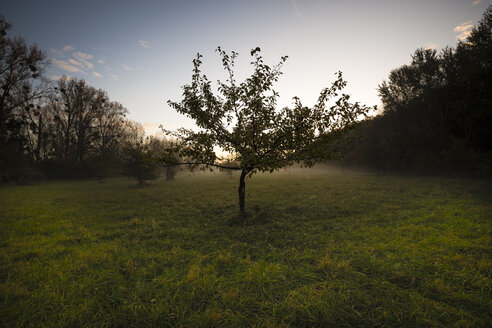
(436, 118)
(437, 112)
(62, 129)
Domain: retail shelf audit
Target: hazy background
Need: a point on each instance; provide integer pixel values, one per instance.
(141, 51)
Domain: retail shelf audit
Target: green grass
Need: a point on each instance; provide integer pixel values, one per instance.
(319, 250)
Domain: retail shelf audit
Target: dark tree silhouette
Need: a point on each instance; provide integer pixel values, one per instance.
(65, 128)
(159, 148)
(140, 157)
(21, 69)
(437, 111)
(243, 120)
(87, 125)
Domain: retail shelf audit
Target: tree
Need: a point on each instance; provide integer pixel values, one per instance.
(438, 111)
(244, 120)
(140, 163)
(88, 125)
(159, 148)
(473, 105)
(21, 69)
(410, 81)
(140, 160)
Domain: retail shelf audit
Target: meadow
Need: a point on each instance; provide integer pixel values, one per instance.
(320, 249)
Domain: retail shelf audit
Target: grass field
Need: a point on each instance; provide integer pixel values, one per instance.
(319, 250)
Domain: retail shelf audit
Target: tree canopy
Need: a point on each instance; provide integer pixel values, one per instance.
(437, 111)
(21, 69)
(242, 118)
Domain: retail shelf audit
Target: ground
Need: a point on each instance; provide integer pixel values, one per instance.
(320, 249)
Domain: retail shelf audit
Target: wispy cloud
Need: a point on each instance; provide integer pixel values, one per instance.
(476, 2)
(145, 44)
(113, 76)
(78, 62)
(463, 30)
(75, 63)
(84, 58)
(57, 53)
(66, 66)
(128, 68)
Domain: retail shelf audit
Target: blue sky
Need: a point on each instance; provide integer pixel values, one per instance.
(140, 52)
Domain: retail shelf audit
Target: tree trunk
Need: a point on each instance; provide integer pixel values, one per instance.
(170, 173)
(242, 191)
(40, 137)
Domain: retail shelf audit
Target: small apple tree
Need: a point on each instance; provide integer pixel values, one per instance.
(243, 120)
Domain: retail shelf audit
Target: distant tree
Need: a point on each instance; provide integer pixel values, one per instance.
(140, 160)
(64, 129)
(409, 82)
(244, 121)
(438, 111)
(171, 172)
(229, 161)
(159, 147)
(87, 126)
(21, 76)
(140, 163)
(472, 89)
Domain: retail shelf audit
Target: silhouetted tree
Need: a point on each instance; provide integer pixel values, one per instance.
(410, 81)
(140, 160)
(21, 69)
(471, 99)
(66, 129)
(160, 149)
(437, 111)
(244, 120)
(87, 124)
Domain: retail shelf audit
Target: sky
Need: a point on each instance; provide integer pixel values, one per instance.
(141, 52)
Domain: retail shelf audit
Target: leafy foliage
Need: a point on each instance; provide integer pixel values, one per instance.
(437, 112)
(243, 119)
(86, 121)
(21, 87)
(140, 160)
